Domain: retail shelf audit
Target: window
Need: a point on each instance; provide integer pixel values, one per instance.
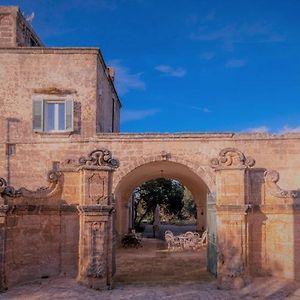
(52, 115)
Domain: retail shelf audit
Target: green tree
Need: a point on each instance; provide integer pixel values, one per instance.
(189, 209)
(167, 193)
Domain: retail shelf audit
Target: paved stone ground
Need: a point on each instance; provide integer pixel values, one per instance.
(151, 273)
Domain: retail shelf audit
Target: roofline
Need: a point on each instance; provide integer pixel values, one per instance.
(64, 50)
(31, 28)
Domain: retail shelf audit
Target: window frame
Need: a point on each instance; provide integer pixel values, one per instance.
(42, 101)
(56, 115)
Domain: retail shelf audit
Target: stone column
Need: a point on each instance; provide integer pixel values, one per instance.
(96, 261)
(231, 208)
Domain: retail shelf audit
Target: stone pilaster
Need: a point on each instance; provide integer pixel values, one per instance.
(95, 246)
(231, 208)
(96, 264)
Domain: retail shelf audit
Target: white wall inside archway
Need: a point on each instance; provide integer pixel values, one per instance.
(154, 170)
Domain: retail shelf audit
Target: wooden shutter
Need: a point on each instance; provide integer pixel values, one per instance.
(69, 111)
(38, 115)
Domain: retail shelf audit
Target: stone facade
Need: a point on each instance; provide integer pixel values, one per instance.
(71, 226)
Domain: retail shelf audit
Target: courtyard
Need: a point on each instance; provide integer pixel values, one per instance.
(151, 272)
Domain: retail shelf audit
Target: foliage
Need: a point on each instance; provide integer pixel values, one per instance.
(189, 209)
(165, 192)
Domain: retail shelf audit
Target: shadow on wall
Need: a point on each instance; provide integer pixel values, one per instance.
(77, 117)
(273, 220)
(256, 224)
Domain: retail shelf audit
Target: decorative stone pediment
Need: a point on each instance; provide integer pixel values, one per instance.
(231, 158)
(55, 185)
(273, 189)
(55, 91)
(97, 159)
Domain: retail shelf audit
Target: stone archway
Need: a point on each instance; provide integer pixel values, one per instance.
(152, 170)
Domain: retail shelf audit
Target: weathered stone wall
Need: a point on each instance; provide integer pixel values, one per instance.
(53, 74)
(40, 244)
(15, 31)
(30, 249)
(270, 240)
(107, 100)
(193, 150)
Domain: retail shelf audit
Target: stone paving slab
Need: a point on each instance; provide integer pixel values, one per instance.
(151, 273)
(67, 288)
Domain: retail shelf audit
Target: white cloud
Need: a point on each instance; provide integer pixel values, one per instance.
(170, 71)
(235, 63)
(128, 115)
(125, 80)
(265, 129)
(203, 109)
(207, 55)
(257, 32)
(260, 129)
(287, 129)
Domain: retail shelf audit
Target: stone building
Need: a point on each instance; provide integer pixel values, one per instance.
(59, 122)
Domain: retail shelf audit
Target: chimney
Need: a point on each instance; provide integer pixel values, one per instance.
(111, 73)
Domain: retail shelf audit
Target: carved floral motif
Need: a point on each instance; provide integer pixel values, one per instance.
(271, 179)
(232, 158)
(96, 267)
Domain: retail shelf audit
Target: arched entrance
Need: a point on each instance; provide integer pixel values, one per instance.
(169, 170)
(99, 200)
(152, 170)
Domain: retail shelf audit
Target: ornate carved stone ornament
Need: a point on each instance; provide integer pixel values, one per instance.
(96, 159)
(99, 158)
(232, 158)
(55, 185)
(6, 190)
(273, 189)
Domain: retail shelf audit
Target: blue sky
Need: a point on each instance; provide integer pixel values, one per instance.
(188, 65)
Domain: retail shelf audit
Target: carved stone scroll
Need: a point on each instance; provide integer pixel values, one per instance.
(231, 158)
(6, 190)
(273, 189)
(99, 158)
(55, 186)
(96, 159)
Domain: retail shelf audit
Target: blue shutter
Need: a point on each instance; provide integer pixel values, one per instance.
(38, 115)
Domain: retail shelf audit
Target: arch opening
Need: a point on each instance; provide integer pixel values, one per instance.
(154, 261)
(158, 169)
